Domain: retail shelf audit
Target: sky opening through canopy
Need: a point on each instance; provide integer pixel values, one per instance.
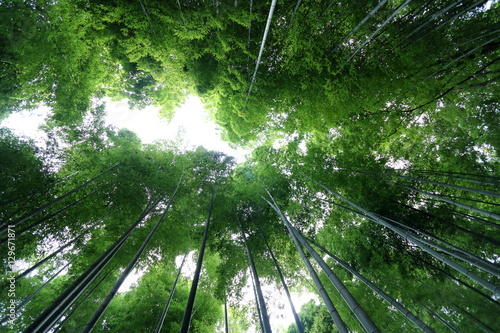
(190, 126)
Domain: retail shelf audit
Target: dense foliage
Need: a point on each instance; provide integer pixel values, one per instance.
(358, 111)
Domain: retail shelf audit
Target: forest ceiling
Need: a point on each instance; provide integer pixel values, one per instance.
(373, 180)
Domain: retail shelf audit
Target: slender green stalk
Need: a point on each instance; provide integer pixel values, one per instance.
(455, 251)
(50, 256)
(28, 298)
(353, 304)
(53, 202)
(485, 283)
(253, 269)
(262, 45)
(379, 291)
(372, 36)
(341, 326)
(257, 304)
(463, 188)
(95, 317)
(167, 305)
(370, 14)
(66, 317)
(458, 204)
(300, 327)
(54, 312)
(226, 321)
(194, 286)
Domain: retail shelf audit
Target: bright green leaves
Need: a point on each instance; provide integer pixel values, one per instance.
(315, 319)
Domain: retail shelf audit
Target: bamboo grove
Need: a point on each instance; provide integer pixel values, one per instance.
(373, 182)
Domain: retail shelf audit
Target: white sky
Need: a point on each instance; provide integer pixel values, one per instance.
(26, 123)
(190, 125)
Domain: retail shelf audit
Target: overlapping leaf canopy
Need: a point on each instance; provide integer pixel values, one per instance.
(381, 102)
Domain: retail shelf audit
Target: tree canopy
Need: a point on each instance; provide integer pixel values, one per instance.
(373, 180)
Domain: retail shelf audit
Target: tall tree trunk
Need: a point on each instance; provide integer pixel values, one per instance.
(467, 231)
(475, 218)
(257, 304)
(53, 312)
(456, 197)
(432, 18)
(167, 305)
(353, 304)
(485, 283)
(341, 326)
(300, 327)
(66, 317)
(28, 298)
(455, 252)
(454, 175)
(462, 56)
(293, 16)
(262, 45)
(226, 321)
(194, 286)
(46, 218)
(459, 281)
(253, 269)
(469, 257)
(53, 202)
(477, 322)
(19, 209)
(93, 320)
(372, 36)
(430, 311)
(447, 21)
(34, 192)
(367, 17)
(52, 255)
(458, 204)
(463, 188)
(420, 324)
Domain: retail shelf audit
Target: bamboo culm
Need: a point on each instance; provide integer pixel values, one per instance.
(167, 305)
(353, 304)
(28, 298)
(262, 45)
(46, 218)
(95, 317)
(379, 291)
(430, 311)
(50, 256)
(467, 231)
(463, 188)
(51, 314)
(372, 36)
(253, 269)
(257, 304)
(339, 322)
(370, 14)
(226, 321)
(58, 327)
(485, 283)
(433, 17)
(194, 285)
(471, 208)
(455, 251)
(53, 202)
(300, 327)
